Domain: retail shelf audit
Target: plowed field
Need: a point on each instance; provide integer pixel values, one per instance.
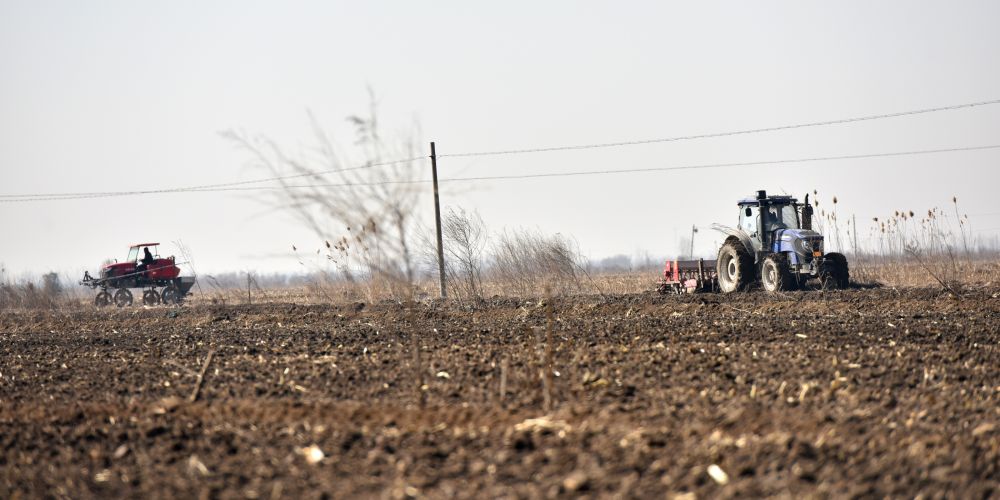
(848, 393)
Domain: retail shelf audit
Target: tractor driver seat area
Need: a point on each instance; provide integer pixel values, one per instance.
(772, 220)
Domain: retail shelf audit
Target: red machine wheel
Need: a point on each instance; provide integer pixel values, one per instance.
(171, 295)
(103, 299)
(123, 297)
(150, 297)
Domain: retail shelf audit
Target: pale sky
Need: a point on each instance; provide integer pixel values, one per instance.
(127, 95)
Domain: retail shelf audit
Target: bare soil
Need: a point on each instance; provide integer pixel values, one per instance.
(833, 394)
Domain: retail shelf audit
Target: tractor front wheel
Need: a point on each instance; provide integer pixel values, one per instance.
(123, 297)
(103, 299)
(775, 275)
(734, 267)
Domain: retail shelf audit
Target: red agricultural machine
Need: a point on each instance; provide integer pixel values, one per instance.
(143, 269)
(688, 276)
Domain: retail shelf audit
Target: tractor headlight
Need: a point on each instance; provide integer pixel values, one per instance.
(803, 247)
(809, 248)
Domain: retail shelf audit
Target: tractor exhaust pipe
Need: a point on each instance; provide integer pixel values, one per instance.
(807, 214)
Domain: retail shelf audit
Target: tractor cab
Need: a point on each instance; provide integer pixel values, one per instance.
(762, 216)
(135, 251)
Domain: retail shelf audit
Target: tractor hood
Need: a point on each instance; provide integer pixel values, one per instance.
(798, 234)
(800, 241)
(117, 269)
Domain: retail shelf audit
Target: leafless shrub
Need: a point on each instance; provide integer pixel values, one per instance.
(465, 238)
(359, 209)
(188, 257)
(522, 261)
(946, 276)
(218, 292)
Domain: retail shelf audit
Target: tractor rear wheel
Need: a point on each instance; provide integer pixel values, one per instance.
(150, 297)
(775, 275)
(835, 273)
(123, 297)
(734, 266)
(103, 299)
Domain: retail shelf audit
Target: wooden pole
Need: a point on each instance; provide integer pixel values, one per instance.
(854, 225)
(437, 220)
(694, 229)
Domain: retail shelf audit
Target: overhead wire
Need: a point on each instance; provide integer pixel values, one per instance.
(647, 169)
(228, 186)
(721, 134)
(722, 165)
(558, 174)
(101, 194)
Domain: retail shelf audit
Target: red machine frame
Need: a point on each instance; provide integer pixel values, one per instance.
(688, 276)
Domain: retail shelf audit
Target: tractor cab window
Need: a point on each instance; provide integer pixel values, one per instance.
(748, 219)
(133, 254)
(781, 217)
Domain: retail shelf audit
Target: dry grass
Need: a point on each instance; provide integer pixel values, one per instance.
(48, 292)
(981, 270)
(902, 272)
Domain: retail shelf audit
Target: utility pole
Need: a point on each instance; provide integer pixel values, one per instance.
(437, 220)
(854, 225)
(694, 229)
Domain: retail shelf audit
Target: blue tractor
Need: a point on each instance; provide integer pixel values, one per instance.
(774, 244)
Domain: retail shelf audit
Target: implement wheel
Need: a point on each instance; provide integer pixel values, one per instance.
(775, 275)
(150, 297)
(103, 299)
(734, 267)
(123, 297)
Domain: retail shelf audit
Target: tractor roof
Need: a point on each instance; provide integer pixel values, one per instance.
(771, 200)
(140, 245)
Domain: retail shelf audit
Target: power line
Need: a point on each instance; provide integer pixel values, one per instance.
(7, 198)
(721, 134)
(544, 175)
(722, 165)
(57, 196)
